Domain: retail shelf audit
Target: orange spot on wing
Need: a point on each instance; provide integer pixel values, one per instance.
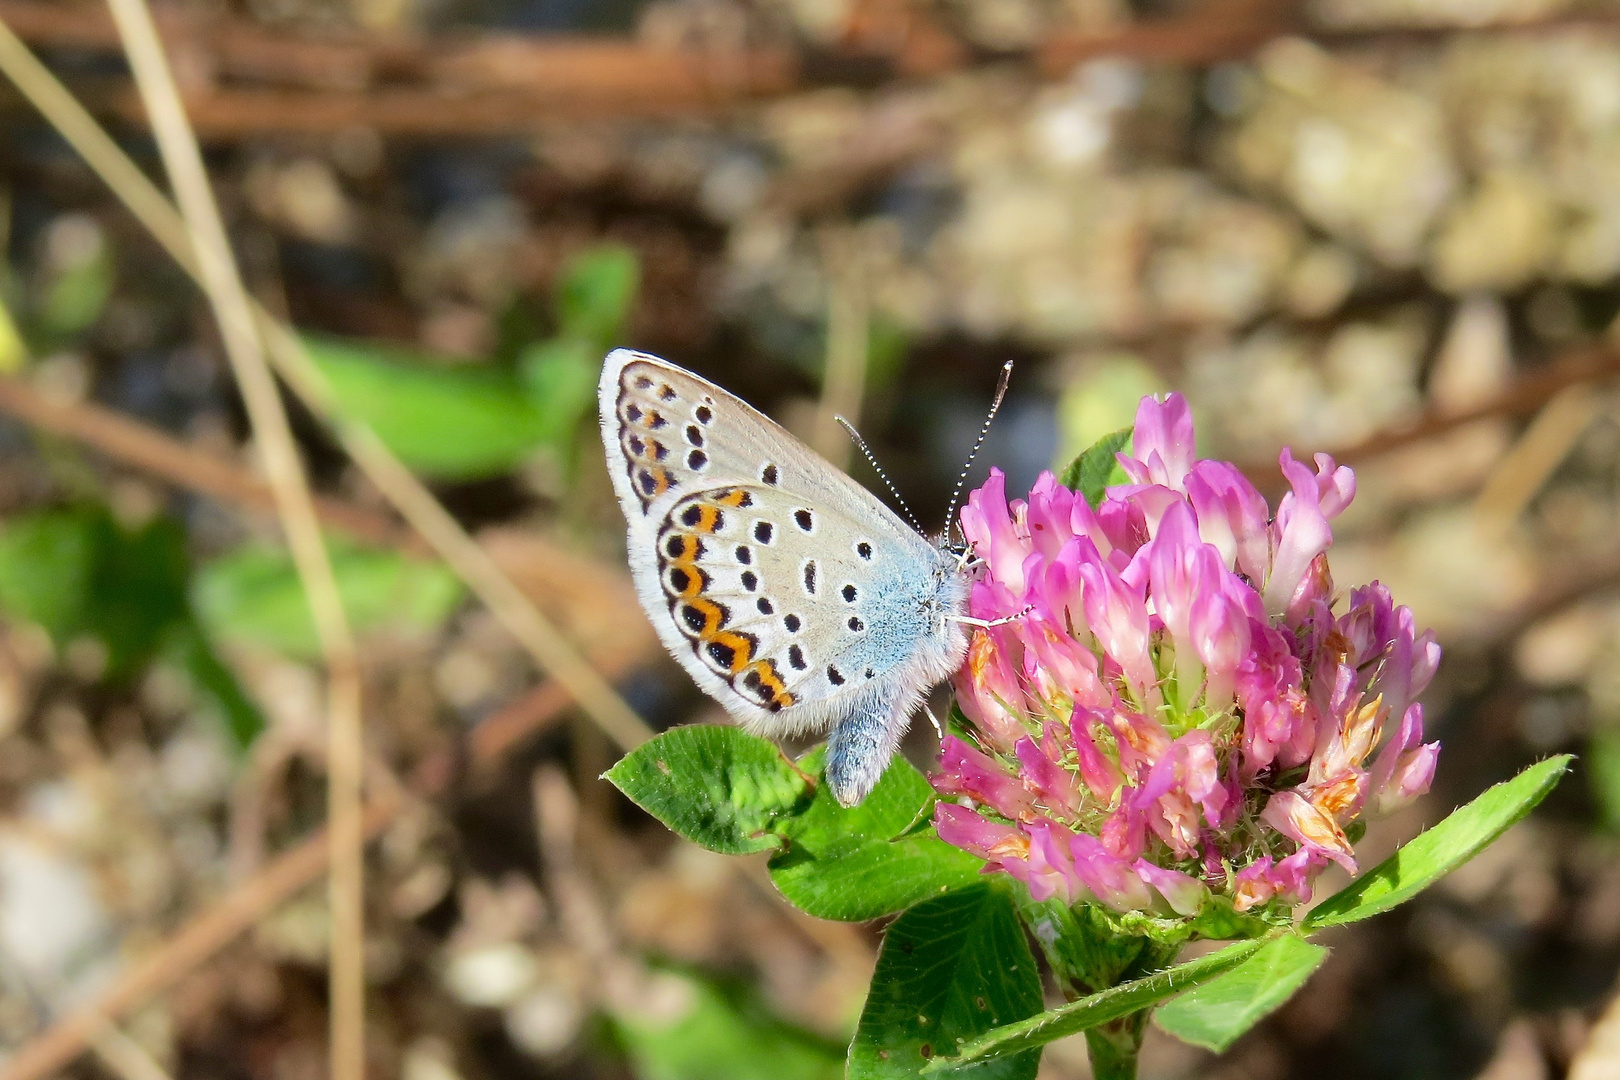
(708, 518)
(689, 550)
(734, 497)
(712, 615)
(773, 683)
(742, 649)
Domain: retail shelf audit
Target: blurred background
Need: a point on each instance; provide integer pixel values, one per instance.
(1385, 229)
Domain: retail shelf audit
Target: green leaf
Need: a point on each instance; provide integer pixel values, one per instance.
(1097, 469)
(1215, 1014)
(706, 1034)
(1442, 849)
(75, 297)
(77, 572)
(560, 378)
(189, 649)
(13, 350)
(952, 968)
(1603, 774)
(862, 862)
(253, 595)
(139, 590)
(717, 786)
(593, 298)
(448, 422)
(47, 564)
(1099, 1008)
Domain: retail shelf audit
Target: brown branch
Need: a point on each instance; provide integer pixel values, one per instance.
(201, 938)
(486, 84)
(1525, 395)
(151, 450)
(575, 582)
(539, 67)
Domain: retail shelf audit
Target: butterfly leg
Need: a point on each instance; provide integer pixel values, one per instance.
(860, 746)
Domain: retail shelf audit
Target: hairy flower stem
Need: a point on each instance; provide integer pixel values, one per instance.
(1115, 1045)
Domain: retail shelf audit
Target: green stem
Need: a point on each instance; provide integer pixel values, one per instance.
(1114, 1047)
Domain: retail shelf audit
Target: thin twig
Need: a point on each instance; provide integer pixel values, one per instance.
(201, 938)
(285, 472)
(537, 634)
(1543, 445)
(147, 448)
(154, 451)
(124, 1056)
(1525, 395)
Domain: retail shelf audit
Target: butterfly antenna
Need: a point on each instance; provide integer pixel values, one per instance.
(872, 461)
(961, 481)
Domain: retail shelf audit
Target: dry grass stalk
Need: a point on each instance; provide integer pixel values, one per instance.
(549, 647)
(204, 935)
(284, 470)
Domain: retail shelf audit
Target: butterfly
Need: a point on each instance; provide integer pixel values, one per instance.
(790, 593)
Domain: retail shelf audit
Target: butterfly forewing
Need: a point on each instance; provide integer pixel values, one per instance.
(674, 433)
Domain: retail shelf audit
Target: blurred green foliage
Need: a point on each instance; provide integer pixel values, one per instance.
(722, 1032)
(466, 422)
(79, 574)
(448, 423)
(253, 596)
(74, 296)
(1101, 399)
(1603, 775)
